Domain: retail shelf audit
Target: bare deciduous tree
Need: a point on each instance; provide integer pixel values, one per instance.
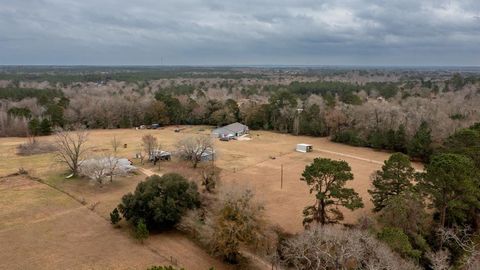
(115, 144)
(439, 260)
(150, 144)
(141, 155)
(231, 225)
(192, 148)
(328, 247)
(94, 169)
(70, 148)
(112, 167)
(458, 236)
(210, 176)
(101, 167)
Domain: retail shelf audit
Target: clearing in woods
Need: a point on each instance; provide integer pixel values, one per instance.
(44, 228)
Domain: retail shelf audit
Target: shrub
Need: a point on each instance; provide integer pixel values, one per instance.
(398, 241)
(115, 216)
(141, 231)
(34, 147)
(160, 201)
(350, 137)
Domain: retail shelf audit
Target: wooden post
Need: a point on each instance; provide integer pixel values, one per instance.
(281, 177)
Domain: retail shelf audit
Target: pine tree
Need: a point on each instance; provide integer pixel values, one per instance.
(45, 127)
(34, 127)
(451, 182)
(327, 179)
(400, 144)
(395, 177)
(420, 145)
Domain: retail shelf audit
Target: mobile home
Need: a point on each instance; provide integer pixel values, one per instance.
(304, 148)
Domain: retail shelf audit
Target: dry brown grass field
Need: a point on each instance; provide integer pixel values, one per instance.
(43, 228)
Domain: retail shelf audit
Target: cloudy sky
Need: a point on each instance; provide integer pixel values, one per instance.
(240, 32)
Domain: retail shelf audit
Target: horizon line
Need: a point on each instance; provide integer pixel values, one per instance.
(244, 65)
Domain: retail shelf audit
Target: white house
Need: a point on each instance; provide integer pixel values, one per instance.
(232, 130)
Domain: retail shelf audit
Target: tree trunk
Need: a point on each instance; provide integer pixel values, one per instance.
(321, 212)
(442, 216)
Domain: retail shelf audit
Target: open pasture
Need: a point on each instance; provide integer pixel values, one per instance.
(44, 228)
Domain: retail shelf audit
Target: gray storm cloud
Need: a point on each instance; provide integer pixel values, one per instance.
(149, 32)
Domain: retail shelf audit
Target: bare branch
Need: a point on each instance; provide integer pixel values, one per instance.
(193, 148)
(71, 148)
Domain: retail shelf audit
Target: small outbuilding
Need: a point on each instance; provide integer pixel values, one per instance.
(304, 148)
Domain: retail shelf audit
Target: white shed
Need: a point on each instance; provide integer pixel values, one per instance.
(304, 148)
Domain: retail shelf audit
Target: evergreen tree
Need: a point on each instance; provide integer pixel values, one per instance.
(56, 114)
(407, 211)
(420, 145)
(115, 216)
(390, 138)
(311, 122)
(377, 139)
(327, 178)
(395, 177)
(399, 242)
(465, 142)
(400, 143)
(452, 184)
(45, 127)
(160, 202)
(34, 127)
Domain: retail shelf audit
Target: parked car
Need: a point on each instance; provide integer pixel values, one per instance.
(227, 138)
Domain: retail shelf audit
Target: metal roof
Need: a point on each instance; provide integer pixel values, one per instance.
(232, 128)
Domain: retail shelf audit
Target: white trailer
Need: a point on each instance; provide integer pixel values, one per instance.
(304, 148)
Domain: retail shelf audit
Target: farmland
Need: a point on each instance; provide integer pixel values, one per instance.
(34, 214)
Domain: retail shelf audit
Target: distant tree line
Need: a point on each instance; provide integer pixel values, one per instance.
(348, 112)
(52, 104)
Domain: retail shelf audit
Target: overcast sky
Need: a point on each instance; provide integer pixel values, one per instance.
(240, 32)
